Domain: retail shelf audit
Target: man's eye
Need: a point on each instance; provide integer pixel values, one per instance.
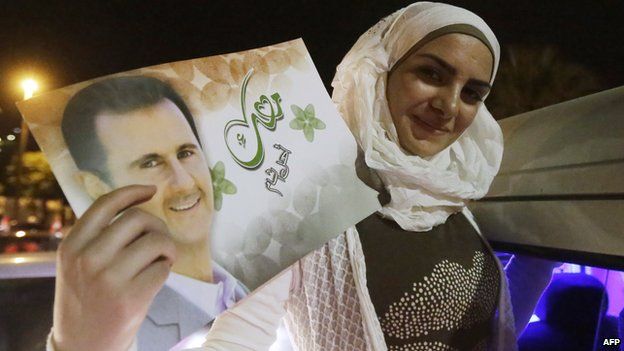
(149, 164)
(185, 154)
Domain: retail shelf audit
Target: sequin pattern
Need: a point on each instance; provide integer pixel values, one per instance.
(450, 298)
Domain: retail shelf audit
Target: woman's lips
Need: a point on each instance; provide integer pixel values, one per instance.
(428, 127)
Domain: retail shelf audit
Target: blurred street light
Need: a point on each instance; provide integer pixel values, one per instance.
(29, 86)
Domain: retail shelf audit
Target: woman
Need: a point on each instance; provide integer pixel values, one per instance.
(417, 275)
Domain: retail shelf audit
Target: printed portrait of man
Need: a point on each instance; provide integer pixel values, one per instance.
(138, 130)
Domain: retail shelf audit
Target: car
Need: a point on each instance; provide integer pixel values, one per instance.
(28, 238)
(26, 299)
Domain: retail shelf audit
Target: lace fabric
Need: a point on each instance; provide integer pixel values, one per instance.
(324, 311)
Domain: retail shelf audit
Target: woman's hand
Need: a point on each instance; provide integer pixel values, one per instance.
(109, 269)
(252, 324)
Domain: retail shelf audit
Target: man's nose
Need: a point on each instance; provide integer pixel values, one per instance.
(447, 101)
(181, 179)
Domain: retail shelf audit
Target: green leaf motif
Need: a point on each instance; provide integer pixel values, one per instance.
(309, 111)
(297, 111)
(306, 120)
(220, 185)
(308, 131)
(218, 172)
(218, 200)
(296, 124)
(318, 124)
(228, 187)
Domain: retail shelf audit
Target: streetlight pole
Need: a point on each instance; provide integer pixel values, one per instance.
(29, 86)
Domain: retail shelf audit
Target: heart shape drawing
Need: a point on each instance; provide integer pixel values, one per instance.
(238, 132)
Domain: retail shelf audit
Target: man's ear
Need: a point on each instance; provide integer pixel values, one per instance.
(94, 186)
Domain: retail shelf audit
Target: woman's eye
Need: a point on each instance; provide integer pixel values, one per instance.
(430, 74)
(149, 164)
(185, 154)
(472, 96)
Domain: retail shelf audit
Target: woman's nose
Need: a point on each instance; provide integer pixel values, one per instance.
(446, 102)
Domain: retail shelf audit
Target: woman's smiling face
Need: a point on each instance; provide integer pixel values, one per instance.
(435, 92)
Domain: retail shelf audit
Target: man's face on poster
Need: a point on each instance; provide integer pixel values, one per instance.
(155, 145)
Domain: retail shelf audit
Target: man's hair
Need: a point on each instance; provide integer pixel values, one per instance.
(116, 95)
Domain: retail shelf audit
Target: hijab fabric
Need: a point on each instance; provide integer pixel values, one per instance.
(424, 192)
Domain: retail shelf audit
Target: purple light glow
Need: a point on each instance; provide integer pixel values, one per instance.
(613, 280)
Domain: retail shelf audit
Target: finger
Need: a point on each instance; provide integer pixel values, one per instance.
(103, 210)
(123, 231)
(151, 279)
(150, 247)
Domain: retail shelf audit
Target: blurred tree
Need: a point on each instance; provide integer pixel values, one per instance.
(8, 150)
(37, 179)
(531, 77)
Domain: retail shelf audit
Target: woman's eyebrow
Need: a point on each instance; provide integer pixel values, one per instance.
(480, 83)
(440, 62)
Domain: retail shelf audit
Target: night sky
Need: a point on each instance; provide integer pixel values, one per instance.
(61, 43)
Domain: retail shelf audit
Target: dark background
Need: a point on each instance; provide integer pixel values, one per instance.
(64, 42)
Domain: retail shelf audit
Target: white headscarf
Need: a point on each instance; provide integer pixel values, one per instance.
(424, 192)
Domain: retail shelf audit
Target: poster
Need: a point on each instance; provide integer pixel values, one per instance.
(252, 162)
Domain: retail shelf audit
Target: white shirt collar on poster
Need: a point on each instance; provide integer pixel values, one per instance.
(212, 298)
